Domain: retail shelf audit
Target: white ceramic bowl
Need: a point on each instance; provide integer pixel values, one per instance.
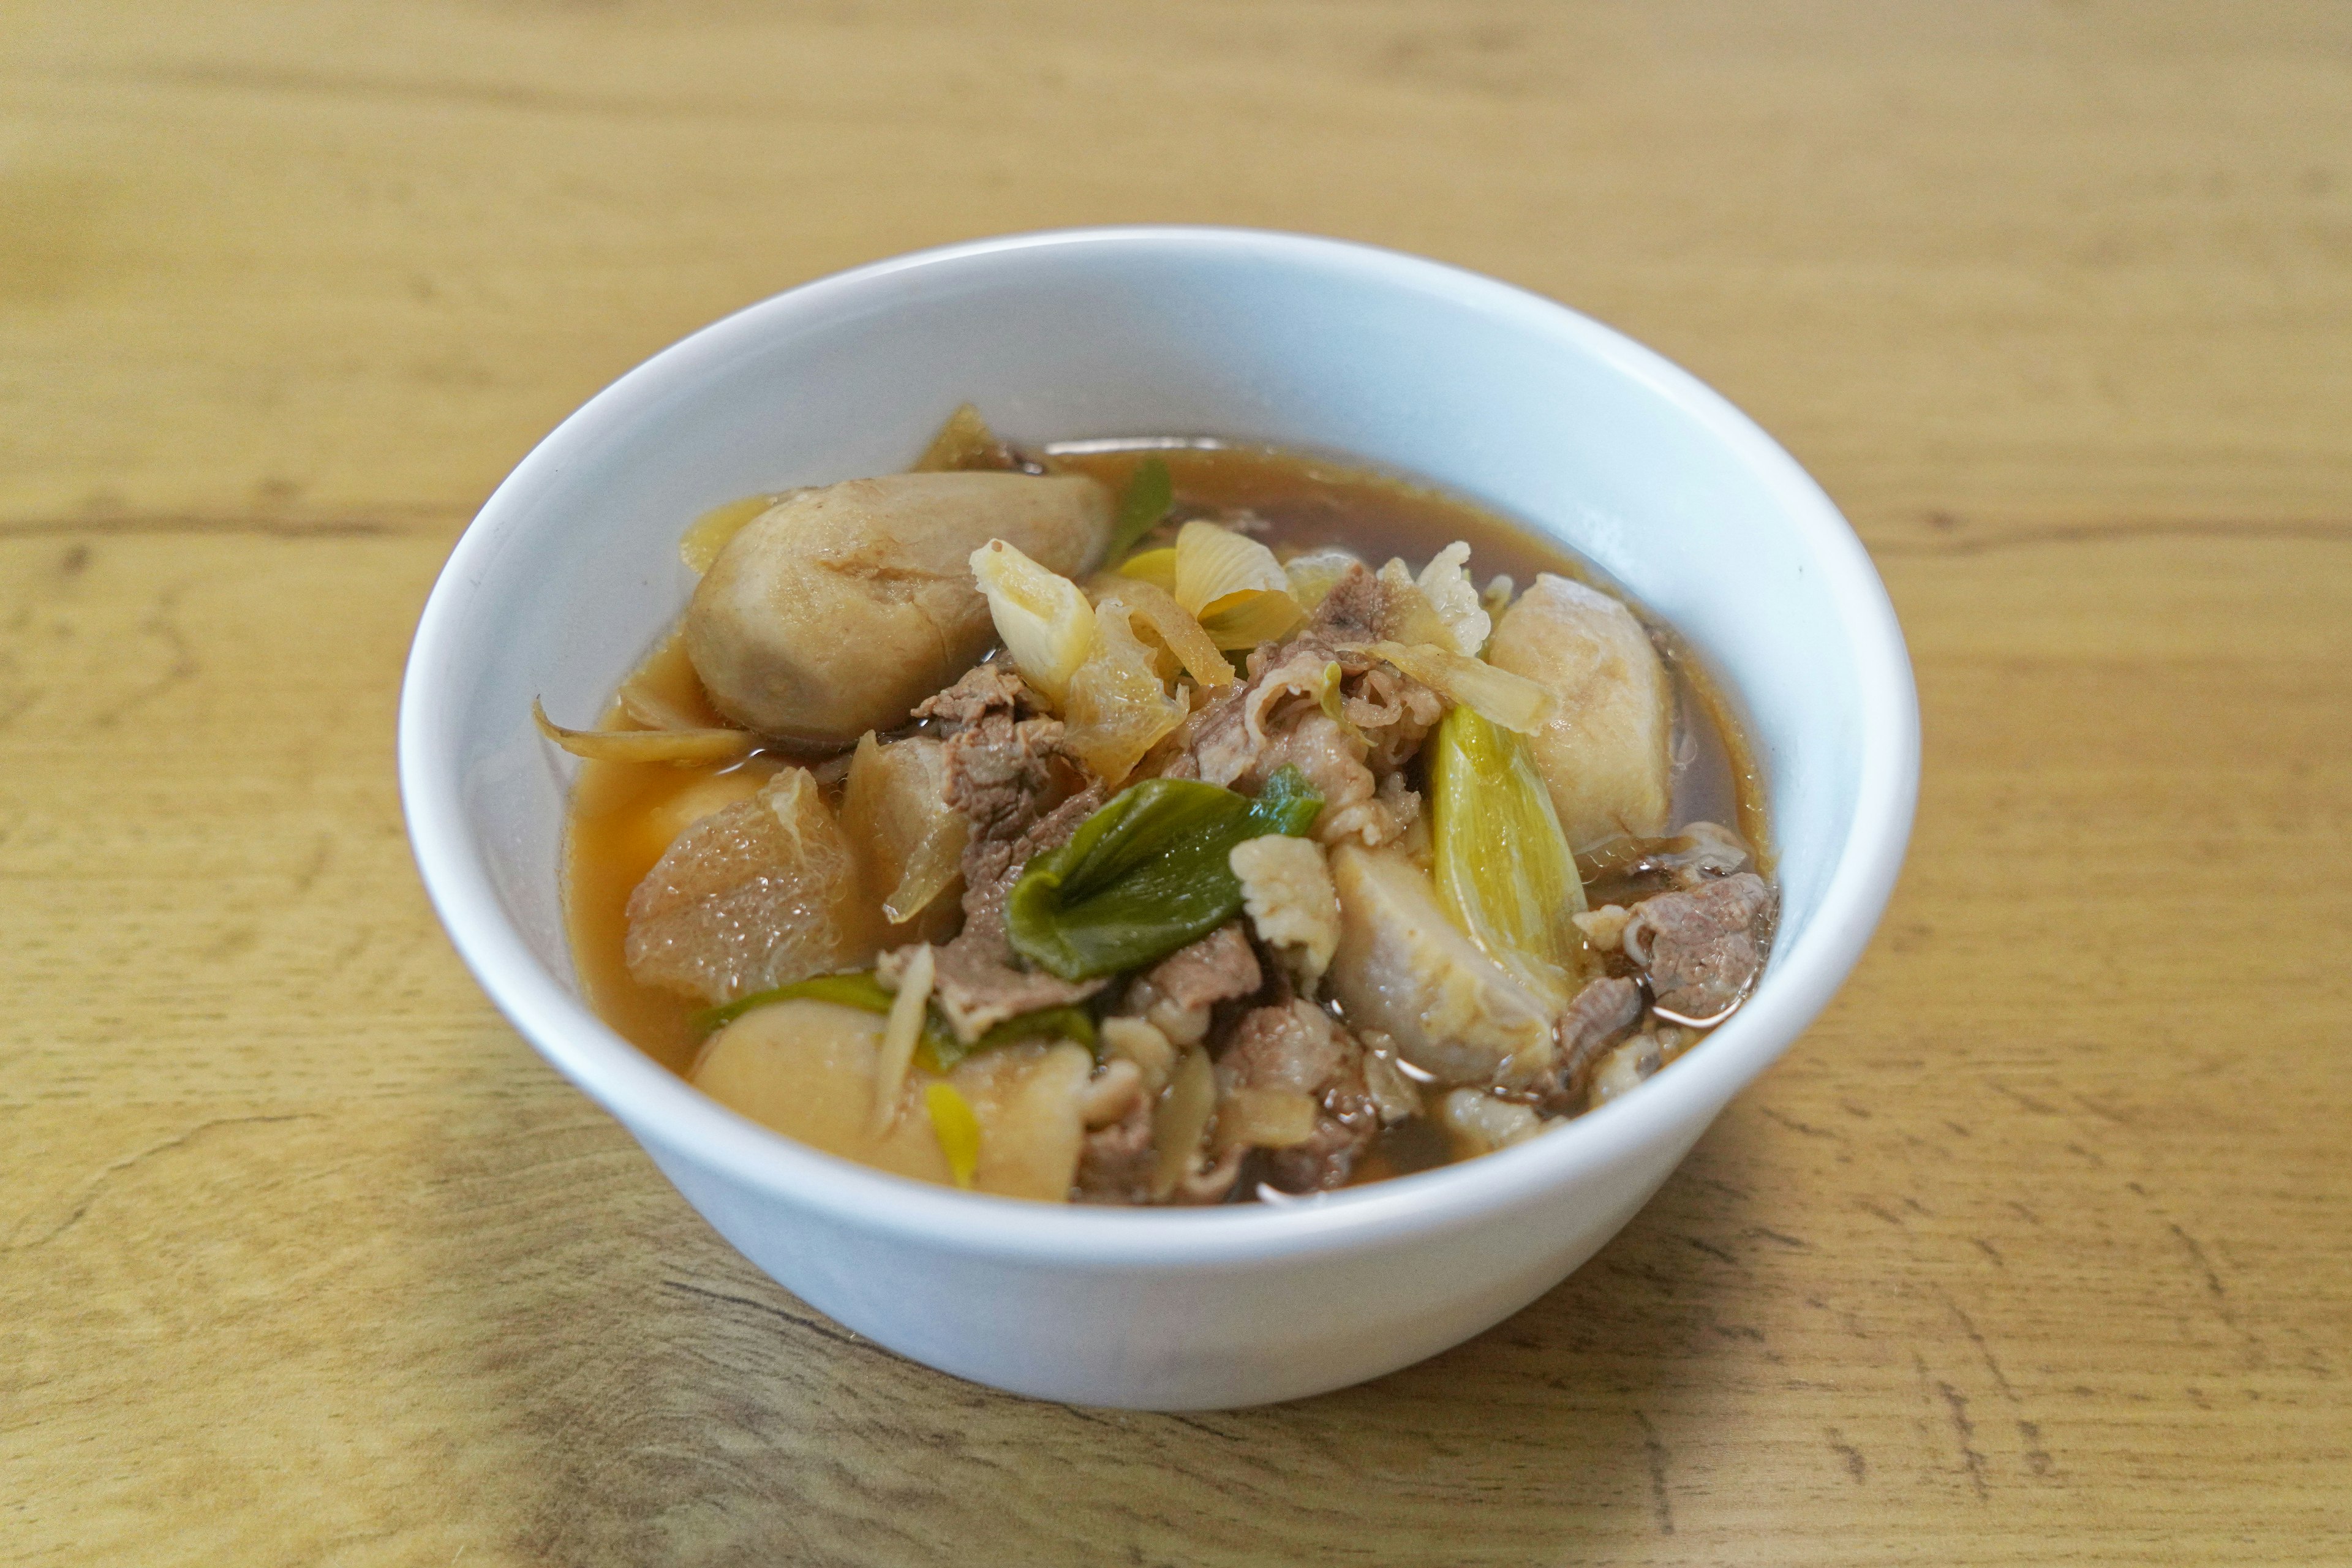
(571, 571)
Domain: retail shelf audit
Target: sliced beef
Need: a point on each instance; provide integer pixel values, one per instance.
(1297, 1048)
(979, 981)
(1703, 948)
(1220, 967)
(1277, 719)
(995, 687)
(1603, 1013)
(1116, 1162)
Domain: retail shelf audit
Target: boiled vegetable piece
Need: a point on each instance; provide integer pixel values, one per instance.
(1403, 967)
(1145, 501)
(957, 1129)
(936, 1048)
(682, 747)
(1501, 864)
(760, 894)
(1045, 621)
(896, 814)
(1116, 707)
(838, 609)
(1147, 874)
(806, 1069)
(1605, 748)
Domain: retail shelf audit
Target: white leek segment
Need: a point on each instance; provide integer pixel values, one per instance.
(1233, 584)
(1503, 868)
(1043, 618)
(900, 1035)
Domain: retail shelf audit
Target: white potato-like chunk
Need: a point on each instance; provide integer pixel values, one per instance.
(839, 608)
(756, 894)
(1476, 1123)
(1403, 968)
(806, 1069)
(1606, 750)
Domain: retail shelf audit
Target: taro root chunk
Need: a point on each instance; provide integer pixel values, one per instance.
(1403, 968)
(1606, 750)
(838, 609)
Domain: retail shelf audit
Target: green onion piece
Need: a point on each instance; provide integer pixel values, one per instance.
(1149, 493)
(1502, 865)
(941, 1050)
(859, 990)
(1147, 874)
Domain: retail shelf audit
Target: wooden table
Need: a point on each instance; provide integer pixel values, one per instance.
(2037, 1248)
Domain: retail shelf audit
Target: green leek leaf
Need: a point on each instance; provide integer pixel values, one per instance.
(941, 1050)
(859, 990)
(1147, 874)
(1149, 493)
(938, 1050)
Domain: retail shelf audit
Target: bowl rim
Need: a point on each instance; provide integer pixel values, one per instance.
(673, 1119)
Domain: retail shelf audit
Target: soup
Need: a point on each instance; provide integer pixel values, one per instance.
(1158, 823)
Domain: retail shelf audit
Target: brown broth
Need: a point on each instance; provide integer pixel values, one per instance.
(624, 816)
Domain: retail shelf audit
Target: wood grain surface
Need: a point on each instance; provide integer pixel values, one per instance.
(2037, 1248)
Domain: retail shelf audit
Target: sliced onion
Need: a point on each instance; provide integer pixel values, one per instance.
(892, 809)
(1250, 617)
(1213, 562)
(1046, 623)
(678, 746)
(1497, 696)
(665, 693)
(1157, 567)
(1116, 707)
(1175, 627)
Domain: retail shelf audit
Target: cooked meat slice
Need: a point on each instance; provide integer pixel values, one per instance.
(1001, 775)
(1297, 1049)
(1218, 967)
(1116, 1160)
(995, 687)
(1600, 1016)
(1355, 610)
(1703, 948)
(1277, 718)
(978, 984)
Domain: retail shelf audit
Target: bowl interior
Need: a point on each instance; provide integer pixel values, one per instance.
(572, 569)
